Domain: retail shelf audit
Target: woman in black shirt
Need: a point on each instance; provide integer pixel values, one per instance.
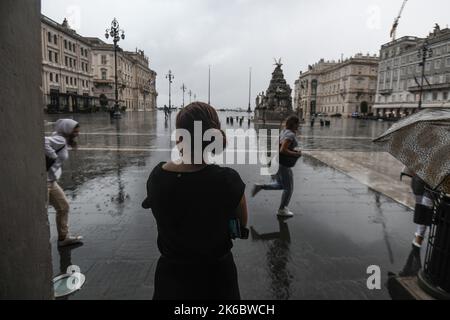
(193, 205)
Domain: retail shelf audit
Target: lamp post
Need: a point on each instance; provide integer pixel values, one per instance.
(209, 85)
(170, 77)
(183, 88)
(250, 92)
(116, 34)
(424, 53)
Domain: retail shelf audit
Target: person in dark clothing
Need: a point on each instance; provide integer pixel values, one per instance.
(193, 205)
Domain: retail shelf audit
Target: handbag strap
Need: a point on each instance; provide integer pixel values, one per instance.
(60, 149)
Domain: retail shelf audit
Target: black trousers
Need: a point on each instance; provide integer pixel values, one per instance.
(176, 280)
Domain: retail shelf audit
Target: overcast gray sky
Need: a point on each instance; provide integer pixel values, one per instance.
(233, 35)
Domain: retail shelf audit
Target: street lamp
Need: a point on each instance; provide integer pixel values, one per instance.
(116, 34)
(183, 88)
(170, 77)
(249, 110)
(424, 53)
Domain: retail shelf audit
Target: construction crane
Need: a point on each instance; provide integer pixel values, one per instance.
(396, 21)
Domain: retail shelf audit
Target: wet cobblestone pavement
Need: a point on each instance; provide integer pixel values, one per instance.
(340, 228)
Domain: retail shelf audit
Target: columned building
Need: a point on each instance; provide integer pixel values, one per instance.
(66, 68)
(332, 87)
(400, 75)
(136, 81)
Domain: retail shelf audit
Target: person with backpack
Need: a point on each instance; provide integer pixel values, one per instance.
(284, 179)
(56, 153)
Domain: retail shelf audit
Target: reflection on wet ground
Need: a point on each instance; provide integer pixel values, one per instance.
(340, 227)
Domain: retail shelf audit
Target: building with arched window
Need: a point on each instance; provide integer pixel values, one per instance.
(332, 87)
(400, 75)
(136, 81)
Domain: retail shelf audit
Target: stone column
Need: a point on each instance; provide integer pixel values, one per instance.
(25, 255)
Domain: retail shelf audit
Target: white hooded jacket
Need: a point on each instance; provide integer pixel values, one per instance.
(56, 141)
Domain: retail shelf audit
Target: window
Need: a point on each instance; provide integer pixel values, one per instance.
(65, 44)
(70, 62)
(57, 78)
(103, 59)
(447, 63)
(75, 81)
(50, 56)
(437, 64)
(67, 80)
(56, 57)
(104, 75)
(66, 61)
(435, 96)
(70, 46)
(55, 39)
(49, 37)
(445, 95)
(51, 77)
(428, 66)
(71, 81)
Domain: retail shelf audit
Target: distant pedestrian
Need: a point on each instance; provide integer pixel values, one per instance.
(313, 119)
(284, 179)
(166, 112)
(56, 152)
(193, 205)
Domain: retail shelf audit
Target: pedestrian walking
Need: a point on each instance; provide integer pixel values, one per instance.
(56, 152)
(284, 179)
(166, 112)
(194, 205)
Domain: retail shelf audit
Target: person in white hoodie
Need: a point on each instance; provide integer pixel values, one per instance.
(56, 150)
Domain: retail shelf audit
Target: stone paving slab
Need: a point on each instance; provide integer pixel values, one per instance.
(377, 170)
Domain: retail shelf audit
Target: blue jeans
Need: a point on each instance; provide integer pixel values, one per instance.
(283, 180)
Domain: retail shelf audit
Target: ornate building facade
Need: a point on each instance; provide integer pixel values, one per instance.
(332, 87)
(67, 79)
(400, 75)
(136, 81)
(78, 73)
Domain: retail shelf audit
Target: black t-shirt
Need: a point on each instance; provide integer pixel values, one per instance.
(193, 210)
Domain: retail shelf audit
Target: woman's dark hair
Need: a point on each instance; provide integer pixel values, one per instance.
(292, 121)
(199, 112)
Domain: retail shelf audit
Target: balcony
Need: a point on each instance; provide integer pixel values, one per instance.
(437, 86)
(385, 92)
